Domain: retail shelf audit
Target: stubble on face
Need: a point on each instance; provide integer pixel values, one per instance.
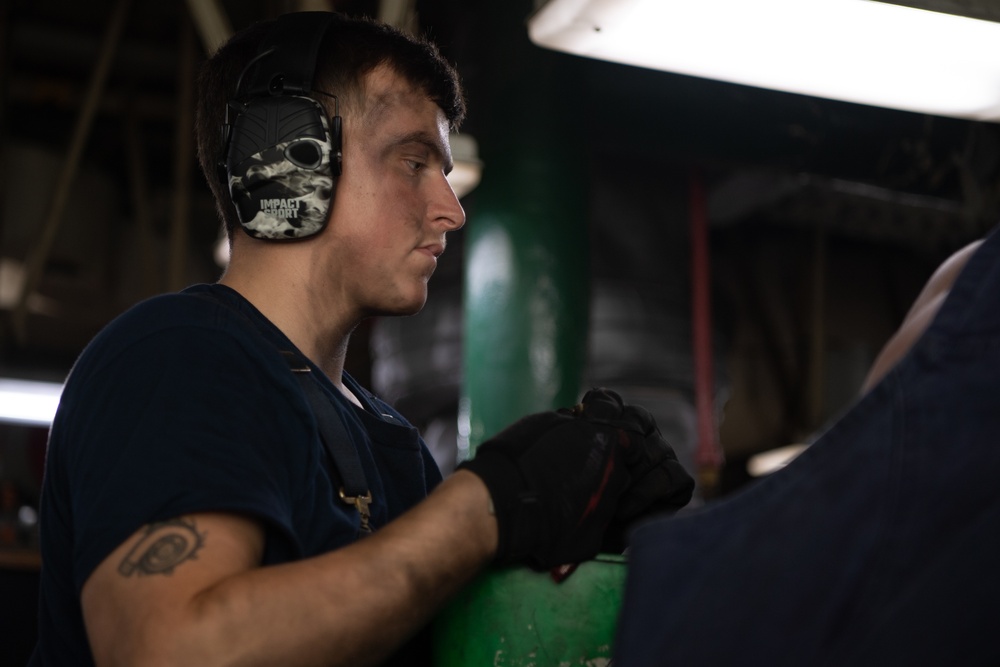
(387, 217)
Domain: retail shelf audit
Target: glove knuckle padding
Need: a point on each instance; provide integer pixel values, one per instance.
(580, 475)
(567, 484)
(602, 404)
(659, 483)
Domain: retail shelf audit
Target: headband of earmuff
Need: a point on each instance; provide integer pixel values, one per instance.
(281, 153)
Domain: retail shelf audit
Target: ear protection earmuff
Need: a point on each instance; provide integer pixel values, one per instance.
(280, 152)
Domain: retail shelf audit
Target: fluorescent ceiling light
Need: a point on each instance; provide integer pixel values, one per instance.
(853, 50)
(29, 402)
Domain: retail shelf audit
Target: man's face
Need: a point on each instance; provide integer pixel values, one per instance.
(393, 204)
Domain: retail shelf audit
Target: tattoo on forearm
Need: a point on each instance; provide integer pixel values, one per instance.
(164, 546)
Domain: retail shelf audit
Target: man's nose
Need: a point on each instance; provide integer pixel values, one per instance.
(446, 207)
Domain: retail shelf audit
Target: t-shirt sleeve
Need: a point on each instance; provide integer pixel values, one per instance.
(185, 420)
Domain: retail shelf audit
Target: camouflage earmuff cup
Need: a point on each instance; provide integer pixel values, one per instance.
(282, 152)
(279, 166)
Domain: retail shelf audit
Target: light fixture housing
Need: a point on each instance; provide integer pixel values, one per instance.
(468, 168)
(860, 51)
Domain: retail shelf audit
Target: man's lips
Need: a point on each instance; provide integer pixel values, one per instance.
(433, 249)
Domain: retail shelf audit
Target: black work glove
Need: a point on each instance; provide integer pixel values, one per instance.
(555, 479)
(659, 483)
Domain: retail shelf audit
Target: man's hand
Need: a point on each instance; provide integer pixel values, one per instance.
(659, 483)
(559, 479)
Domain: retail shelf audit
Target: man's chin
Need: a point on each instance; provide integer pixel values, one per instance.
(404, 308)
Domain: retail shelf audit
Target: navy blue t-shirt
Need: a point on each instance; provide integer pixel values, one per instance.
(185, 404)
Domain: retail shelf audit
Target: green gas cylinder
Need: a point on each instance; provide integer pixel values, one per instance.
(517, 617)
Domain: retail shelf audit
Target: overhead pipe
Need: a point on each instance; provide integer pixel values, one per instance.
(709, 456)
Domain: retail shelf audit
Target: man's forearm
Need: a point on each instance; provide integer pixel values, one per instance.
(351, 606)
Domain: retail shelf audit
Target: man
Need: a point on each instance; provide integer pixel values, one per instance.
(191, 513)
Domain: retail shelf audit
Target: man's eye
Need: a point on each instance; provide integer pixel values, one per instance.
(414, 165)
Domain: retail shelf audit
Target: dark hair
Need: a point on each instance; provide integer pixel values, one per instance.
(351, 49)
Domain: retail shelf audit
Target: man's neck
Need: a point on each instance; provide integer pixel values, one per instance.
(321, 336)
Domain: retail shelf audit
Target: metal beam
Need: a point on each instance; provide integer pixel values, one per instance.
(212, 24)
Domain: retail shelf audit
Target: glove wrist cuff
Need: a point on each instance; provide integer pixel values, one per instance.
(514, 505)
